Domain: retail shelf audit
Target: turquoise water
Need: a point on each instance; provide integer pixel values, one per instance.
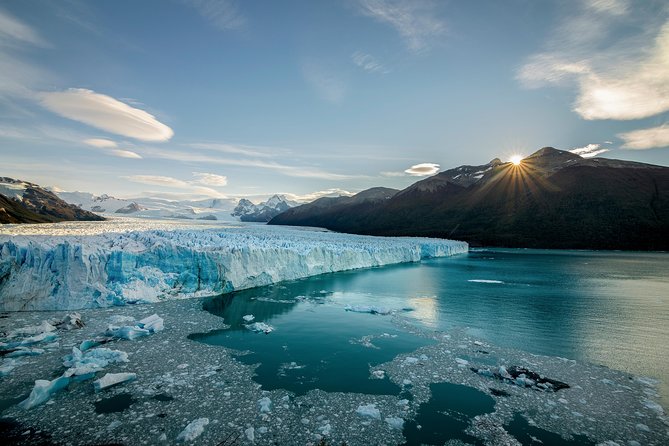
(607, 308)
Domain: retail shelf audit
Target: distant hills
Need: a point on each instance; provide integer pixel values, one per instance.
(264, 211)
(23, 202)
(553, 199)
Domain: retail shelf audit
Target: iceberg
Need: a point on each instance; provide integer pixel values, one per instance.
(43, 390)
(74, 271)
(127, 332)
(260, 327)
(369, 410)
(85, 363)
(112, 379)
(193, 430)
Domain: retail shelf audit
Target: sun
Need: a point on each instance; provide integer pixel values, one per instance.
(516, 159)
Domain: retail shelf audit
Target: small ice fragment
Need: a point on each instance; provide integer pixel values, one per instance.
(193, 430)
(369, 410)
(410, 360)
(42, 391)
(504, 373)
(642, 427)
(652, 405)
(260, 327)
(248, 317)
(152, 323)
(119, 319)
(378, 374)
(462, 362)
(250, 434)
(7, 366)
(484, 281)
(113, 425)
(262, 430)
(325, 429)
(127, 332)
(395, 423)
(265, 404)
(112, 379)
(406, 382)
(479, 343)
(32, 330)
(24, 351)
(367, 309)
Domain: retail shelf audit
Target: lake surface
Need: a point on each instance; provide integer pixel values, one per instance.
(608, 308)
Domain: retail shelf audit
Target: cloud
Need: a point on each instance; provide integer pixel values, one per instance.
(13, 30)
(106, 113)
(414, 20)
(393, 174)
(210, 179)
(325, 82)
(368, 63)
(423, 169)
(589, 151)
(335, 192)
(650, 138)
(223, 14)
(101, 143)
(126, 154)
(619, 78)
(157, 180)
(234, 149)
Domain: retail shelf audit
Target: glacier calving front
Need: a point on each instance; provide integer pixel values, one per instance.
(40, 272)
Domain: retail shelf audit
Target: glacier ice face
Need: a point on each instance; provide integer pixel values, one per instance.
(41, 272)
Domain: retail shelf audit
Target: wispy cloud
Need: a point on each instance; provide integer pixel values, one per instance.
(106, 113)
(368, 63)
(423, 169)
(192, 187)
(589, 151)
(327, 83)
(100, 143)
(650, 138)
(13, 30)
(250, 151)
(125, 154)
(416, 21)
(318, 194)
(210, 179)
(223, 14)
(619, 78)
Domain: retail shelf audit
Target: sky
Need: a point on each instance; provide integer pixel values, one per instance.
(188, 99)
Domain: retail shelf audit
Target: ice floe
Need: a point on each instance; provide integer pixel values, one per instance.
(193, 430)
(112, 379)
(260, 327)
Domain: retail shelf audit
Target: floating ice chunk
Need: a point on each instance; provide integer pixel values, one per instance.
(32, 340)
(410, 360)
(484, 281)
(71, 321)
(112, 379)
(479, 343)
(504, 373)
(642, 427)
(369, 410)
(250, 434)
(248, 317)
(43, 390)
(91, 361)
(152, 323)
(265, 404)
(367, 309)
(652, 405)
(260, 327)
(127, 332)
(395, 423)
(32, 330)
(7, 366)
(119, 319)
(378, 374)
(325, 430)
(113, 425)
(462, 362)
(24, 351)
(193, 430)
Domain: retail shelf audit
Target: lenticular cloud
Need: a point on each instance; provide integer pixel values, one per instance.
(106, 113)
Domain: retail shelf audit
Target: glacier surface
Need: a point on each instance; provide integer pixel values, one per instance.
(75, 271)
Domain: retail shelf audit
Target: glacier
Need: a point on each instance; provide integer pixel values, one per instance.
(89, 270)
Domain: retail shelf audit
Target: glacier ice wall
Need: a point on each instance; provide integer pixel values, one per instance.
(86, 271)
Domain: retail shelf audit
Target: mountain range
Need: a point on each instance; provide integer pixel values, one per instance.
(264, 211)
(24, 202)
(551, 199)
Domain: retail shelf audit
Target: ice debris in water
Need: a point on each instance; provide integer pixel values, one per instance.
(31, 340)
(260, 327)
(522, 377)
(369, 410)
(367, 309)
(144, 327)
(24, 351)
(71, 321)
(193, 430)
(112, 379)
(7, 366)
(265, 404)
(43, 390)
(250, 434)
(395, 422)
(85, 363)
(32, 330)
(248, 317)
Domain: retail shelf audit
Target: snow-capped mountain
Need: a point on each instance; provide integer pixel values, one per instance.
(264, 211)
(24, 202)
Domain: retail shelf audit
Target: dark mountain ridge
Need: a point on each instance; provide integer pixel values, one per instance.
(553, 199)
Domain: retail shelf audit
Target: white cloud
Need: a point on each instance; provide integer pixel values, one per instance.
(326, 82)
(589, 151)
(223, 14)
(650, 138)
(423, 169)
(414, 20)
(100, 143)
(393, 174)
(106, 113)
(13, 30)
(335, 192)
(126, 154)
(210, 179)
(157, 180)
(234, 149)
(619, 78)
(368, 63)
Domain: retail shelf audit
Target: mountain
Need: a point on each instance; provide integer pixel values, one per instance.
(262, 212)
(553, 199)
(23, 202)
